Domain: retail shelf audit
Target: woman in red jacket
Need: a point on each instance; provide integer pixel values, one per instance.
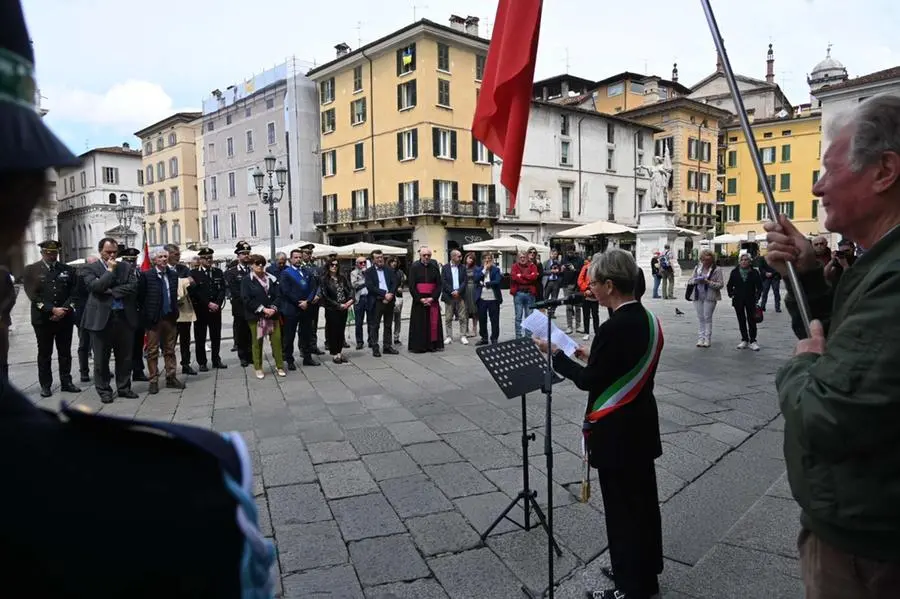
(590, 308)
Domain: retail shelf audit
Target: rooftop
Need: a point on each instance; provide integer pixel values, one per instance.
(675, 103)
(178, 117)
(123, 150)
(876, 77)
(595, 114)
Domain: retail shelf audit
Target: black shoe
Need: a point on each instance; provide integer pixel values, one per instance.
(482, 342)
(234, 348)
(46, 392)
(106, 398)
(397, 343)
(203, 368)
(390, 350)
(608, 572)
(154, 388)
(128, 394)
(69, 388)
(188, 370)
(219, 365)
(360, 345)
(778, 309)
(139, 377)
(174, 383)
(310, 361)
(318, 352)
(346, 345)
(292, 366)
(85, 378)
(245, 363)
(376, 352)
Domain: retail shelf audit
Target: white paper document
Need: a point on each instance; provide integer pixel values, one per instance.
(536, 324)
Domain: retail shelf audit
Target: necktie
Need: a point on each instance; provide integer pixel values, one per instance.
(166, 300)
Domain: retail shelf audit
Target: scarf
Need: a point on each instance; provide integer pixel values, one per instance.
(745, 272)
(264, 326)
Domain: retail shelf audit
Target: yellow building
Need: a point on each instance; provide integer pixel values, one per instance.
(791, 152)
(169, 162)
(200, 167)
(398, 158)
(691, 136)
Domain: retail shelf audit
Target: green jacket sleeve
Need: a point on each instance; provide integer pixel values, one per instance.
(819, 295)
(845, 402)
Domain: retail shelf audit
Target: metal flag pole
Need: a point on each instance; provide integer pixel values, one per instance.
(796, 289)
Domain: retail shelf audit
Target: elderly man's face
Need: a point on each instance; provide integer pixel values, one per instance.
(161, 260)
(820, 245)
(174, 256)
(281, 261)
(523, 259)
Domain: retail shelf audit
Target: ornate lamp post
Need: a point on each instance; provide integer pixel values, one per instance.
(271, 196)
(125, 216)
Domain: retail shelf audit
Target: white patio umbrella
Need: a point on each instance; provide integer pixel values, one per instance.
(600, 227)
(362, 248)
(727, 238)
(505, 244)
(319, 249)
(76, 262)
(688, 233)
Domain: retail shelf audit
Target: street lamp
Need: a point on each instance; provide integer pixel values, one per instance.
(125, 216)
(270, 197)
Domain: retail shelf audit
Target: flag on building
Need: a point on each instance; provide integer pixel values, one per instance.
(501, 116)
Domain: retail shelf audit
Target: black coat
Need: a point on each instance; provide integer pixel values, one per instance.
(49, 288)
(630, 434)
(741, 292)
(234, 278)
(254, 297)
(209, 286)
(150, 297)
(390, 278)
(328, 287)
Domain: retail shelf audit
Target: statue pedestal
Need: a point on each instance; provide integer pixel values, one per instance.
(656, 228)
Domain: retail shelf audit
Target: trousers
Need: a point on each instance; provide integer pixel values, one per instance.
(705, 309)
(456, 308)
(830, 573)
(161, 338)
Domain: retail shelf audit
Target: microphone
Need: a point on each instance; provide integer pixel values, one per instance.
(576, 299)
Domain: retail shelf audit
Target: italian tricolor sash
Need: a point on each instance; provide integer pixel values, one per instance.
(630, 385)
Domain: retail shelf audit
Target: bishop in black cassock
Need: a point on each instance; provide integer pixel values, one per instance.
(425, 331)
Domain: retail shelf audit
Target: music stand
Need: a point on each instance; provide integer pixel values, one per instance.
(518, 367)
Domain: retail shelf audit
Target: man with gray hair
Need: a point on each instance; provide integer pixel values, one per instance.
(838, 394)
(183, 328)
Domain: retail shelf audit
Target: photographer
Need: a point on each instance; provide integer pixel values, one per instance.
(841, 259)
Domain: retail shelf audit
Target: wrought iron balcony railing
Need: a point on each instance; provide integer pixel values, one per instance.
(408, 208)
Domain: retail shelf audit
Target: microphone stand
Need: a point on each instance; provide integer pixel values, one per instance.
(548, 449)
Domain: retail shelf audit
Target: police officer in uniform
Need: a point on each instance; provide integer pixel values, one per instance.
(233, 278)
(130, 255)
(51, 288)
(7, 303)
(208, 297)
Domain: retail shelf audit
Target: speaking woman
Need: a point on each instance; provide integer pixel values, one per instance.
(621, 426)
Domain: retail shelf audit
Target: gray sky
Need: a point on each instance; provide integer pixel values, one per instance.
(110, 67)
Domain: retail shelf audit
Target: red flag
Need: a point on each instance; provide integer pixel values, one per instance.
(145, 258)
(501, 117)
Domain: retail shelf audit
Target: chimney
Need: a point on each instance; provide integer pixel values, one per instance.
(545, 94)
(458, 23)
(564, 89)
(341, 49)
(472, 25)
(770, 66)
(125, 146)
(675, 72)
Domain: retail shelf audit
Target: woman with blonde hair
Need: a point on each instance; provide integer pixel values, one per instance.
(705, 290)
(259, 292)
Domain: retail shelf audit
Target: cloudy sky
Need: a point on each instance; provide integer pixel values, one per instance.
(109, 67)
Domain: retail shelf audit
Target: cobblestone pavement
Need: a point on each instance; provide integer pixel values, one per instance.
(375, 478)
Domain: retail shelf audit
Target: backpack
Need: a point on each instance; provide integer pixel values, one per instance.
(664, 262)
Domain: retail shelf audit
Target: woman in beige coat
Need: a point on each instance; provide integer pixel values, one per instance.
(185, 308)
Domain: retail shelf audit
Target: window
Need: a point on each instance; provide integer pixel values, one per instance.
(203, 234)
(173, 167)
(784, 183)
(328, 121)
(692, 179)
(610, 204)
(406, 59)
(84, 179)
(211, 152)
(762, 211)
(203, 185)
(564, 124)
(616, 89)
(215, 226)
(210, 126)
(815, 177)
(160, 144)
(148, 148)
(443, 57)
(72, 183)
(483, 194)
(698, 150)
(152, 234)
(329, 163)
(149, 177)
(446, 191)
(510, 208)
(252, 223)
(732, 158)
(610, 133)
(231, 185)
(640, 194)
(406, 95)
(480, 153)
(408, 192)
(161, 194)
(786, 208)
(732, 214)
(249, 141)
(172, 139)
(359, 156)
(251, 184)
(564, 153)
(227, 119)
(229, 147)
(705, 151)
(329, 203)
(151, 203)
(768, 155)
(640, 141)
(731, 186)
(565, 192)
(160, 171)
(140, 177)
(771, 179)
(480, 62)
(408, 145)
(270, 103)
(444, 142)
(175, 198)
(610, 159)
(705, 179)
(815, 208)
(662, 144)
(357, 79)
(786, 133)
(326, 91)
(357, 112)
(786, 153)
(233, 218)
(443, 93)
(767, 135)
(163, 233)
(213, 188)
(176, 232)
(248, 112)
(270, 133)
(359, 203)
(110, 176)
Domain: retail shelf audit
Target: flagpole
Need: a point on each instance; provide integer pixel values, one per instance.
(796, 289)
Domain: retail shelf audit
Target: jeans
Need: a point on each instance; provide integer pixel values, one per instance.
(361, 308)
(656, 281)
(668, 284)
(705, 309)
(572, 312)
(591, 310)
(489, 309)
(775, 285)
(523, 303)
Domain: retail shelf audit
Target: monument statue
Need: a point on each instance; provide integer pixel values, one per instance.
(659, 174)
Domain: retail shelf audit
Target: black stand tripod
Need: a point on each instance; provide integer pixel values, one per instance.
(518, 367)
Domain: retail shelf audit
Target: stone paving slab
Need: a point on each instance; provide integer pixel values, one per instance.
(376, 478)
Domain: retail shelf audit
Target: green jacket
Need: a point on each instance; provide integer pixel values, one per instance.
(842, 409)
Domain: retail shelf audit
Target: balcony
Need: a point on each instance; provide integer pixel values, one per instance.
(407, 209)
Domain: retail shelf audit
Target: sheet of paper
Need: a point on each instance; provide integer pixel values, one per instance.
(536, 324)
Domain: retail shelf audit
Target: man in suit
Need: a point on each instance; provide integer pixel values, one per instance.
(299, 286)
(233, 278)
(453, 291)
(306, 262)
(158, 298)
(111, 316)
(208, 297)
(381, 281)
(183, 328)
(130, 256)
(51, 288)
(84, 337)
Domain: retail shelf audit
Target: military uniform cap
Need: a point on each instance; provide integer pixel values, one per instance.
(308, 247)
(242, 246)
(131, 253)
(50, 245)
(205, 252)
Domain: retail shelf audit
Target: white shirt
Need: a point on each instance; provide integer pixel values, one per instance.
(382, 283)
(454, 271)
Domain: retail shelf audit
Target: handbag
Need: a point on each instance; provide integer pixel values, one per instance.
(759, 315)
(689, 292)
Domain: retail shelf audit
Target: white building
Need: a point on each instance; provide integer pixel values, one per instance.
(275, 112)
(92, 200)
(578, 167)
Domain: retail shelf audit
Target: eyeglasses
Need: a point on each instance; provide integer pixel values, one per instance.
(333, 265)
(426, 255)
